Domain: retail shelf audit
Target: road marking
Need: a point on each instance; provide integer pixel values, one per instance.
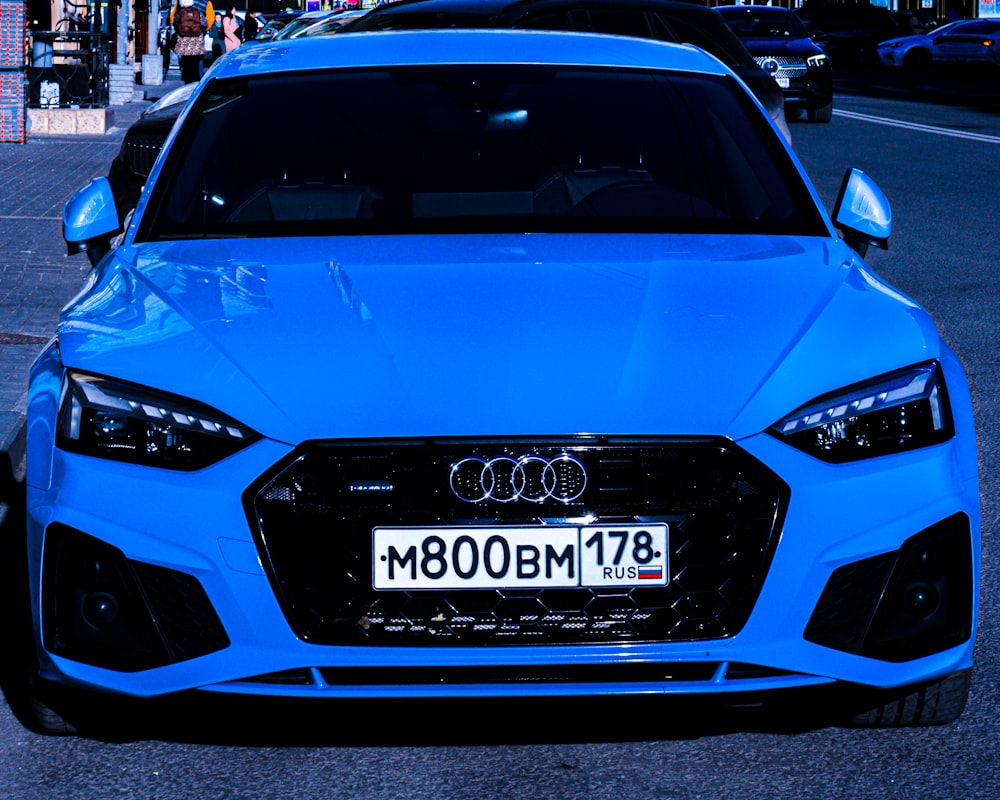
(898, 123)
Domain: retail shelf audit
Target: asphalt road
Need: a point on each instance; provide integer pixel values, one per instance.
(938, 163)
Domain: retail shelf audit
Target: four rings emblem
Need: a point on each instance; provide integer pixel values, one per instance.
(531, 477)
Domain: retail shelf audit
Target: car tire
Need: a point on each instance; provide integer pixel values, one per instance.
(917, 59)
(821, 114)
(19, 668)
(936, 703)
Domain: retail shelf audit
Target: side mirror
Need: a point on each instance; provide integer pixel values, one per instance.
(862, 212)
(90, 220)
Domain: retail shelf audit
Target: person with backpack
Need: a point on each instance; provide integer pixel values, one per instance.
(190, 24)
(209, 11)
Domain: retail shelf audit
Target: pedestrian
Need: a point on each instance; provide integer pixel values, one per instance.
(230, 30)
(250, 26)
(217, 37)
(190, 25)
(208, 11)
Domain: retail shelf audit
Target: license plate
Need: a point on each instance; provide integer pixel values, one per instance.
(520, 557)
(782, 82)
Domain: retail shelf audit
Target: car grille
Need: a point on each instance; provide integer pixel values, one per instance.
(141, 152)
(788, 66)
(314, 517)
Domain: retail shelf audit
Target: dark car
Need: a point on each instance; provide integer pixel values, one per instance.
(850, 32)
(140, 147)
(665, 20)
(275, 23)
(668, 20)
(780, 43)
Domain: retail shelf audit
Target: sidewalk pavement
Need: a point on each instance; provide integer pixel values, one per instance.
(36, 276)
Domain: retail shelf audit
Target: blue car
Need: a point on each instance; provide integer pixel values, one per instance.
(547, 376)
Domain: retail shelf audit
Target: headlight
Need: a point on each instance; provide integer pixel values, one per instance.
(817, 60)
(900, 411)
(110, 419)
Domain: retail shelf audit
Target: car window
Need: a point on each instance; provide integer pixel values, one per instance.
(708, 31)
(417, 19)
(526, 148)
(979, 26)
(548, 21)
(622, 23)
(757, 22)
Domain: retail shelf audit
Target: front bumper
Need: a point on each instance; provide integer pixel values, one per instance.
(811, 91)
(803, 86)
(843, 528)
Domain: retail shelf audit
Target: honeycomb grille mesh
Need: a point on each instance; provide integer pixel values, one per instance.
(315, 515)
(788, 66)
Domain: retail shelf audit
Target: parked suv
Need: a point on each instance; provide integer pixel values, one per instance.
(780, 43)
(666, 20)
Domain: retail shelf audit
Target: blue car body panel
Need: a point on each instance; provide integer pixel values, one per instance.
(492, 335)
(511, 329)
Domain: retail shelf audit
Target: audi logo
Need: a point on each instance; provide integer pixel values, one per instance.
(505, 479)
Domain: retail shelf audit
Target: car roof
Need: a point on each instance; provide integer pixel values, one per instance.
(302, 20)
(677, 20)
(492, 8)
(464, 46)
(330, 22)
(755, 10)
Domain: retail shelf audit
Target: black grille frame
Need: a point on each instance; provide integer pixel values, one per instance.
(141, 152)
(314, 535)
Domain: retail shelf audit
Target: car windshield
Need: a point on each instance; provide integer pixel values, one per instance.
(291, 28)
(464, 149)
(765, 23)
(971, 27)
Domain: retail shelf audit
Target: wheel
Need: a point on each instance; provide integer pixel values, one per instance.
(821, 114)
(41, 706)
(936, 703)
(917, 59)
(30, 701)
(792, 113)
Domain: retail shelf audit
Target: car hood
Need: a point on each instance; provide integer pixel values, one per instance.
(494, 335)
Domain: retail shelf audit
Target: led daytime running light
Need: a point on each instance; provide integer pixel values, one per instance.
(98, 397)
(900, 411)
(863, 402)
(111, 419)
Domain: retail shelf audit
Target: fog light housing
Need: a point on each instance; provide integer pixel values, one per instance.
(902, 605)
(100, 608)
